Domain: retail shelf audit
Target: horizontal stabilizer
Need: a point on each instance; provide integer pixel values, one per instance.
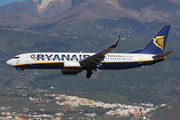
(163, 54)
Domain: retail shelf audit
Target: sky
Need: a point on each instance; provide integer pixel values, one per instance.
(5, 2)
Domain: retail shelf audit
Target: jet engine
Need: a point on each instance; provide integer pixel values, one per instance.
(71, 68)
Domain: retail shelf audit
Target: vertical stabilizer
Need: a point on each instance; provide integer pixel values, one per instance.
(158, 42)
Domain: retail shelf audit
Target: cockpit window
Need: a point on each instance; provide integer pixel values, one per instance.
(16, 57)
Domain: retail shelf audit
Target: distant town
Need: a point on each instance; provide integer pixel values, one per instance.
(143, 110)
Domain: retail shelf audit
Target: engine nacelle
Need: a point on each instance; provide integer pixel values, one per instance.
(70, 72)
(71, 68)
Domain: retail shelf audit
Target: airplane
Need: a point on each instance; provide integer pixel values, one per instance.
(73, 63)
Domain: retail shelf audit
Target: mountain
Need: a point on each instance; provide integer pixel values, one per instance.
(38, 7)
(95, 10)
(58, 13)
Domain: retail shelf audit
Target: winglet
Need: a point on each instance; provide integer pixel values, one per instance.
(115, 43)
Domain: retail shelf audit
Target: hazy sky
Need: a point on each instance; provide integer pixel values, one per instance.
(5, 2)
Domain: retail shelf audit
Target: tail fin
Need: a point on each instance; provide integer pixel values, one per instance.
(157, 44)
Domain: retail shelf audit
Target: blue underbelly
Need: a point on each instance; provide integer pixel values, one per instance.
(43, 66)
(104, 65)
(125, 65)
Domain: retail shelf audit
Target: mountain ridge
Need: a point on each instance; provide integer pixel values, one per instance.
(66, 12)
(45, 8)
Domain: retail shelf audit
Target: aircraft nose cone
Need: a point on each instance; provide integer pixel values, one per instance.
(9, 62)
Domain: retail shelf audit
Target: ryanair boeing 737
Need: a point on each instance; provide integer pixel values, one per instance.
(74, 63)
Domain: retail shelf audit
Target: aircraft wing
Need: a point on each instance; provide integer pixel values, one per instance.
(95, 59)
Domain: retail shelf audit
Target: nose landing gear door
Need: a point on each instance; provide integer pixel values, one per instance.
(27, 58)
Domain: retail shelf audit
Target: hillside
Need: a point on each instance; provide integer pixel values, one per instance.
(158, 84)
(170, 112)
(19, 20)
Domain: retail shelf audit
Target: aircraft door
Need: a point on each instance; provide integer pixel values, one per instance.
(27, 59)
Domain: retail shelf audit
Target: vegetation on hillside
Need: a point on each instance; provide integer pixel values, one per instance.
(156, 84)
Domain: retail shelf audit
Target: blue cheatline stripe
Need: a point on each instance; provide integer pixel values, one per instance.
(57, 62)
(41, 65)
(124, 65)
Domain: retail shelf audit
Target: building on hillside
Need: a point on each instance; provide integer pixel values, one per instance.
(58, 118)
(3, 108)
(39, 99)
(3, 113)
(32, 99)
(90, 114)
(135, 113)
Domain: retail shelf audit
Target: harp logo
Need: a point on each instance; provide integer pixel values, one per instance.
(159, 41)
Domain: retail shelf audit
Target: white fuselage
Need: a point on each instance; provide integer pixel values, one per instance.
(48, 60)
